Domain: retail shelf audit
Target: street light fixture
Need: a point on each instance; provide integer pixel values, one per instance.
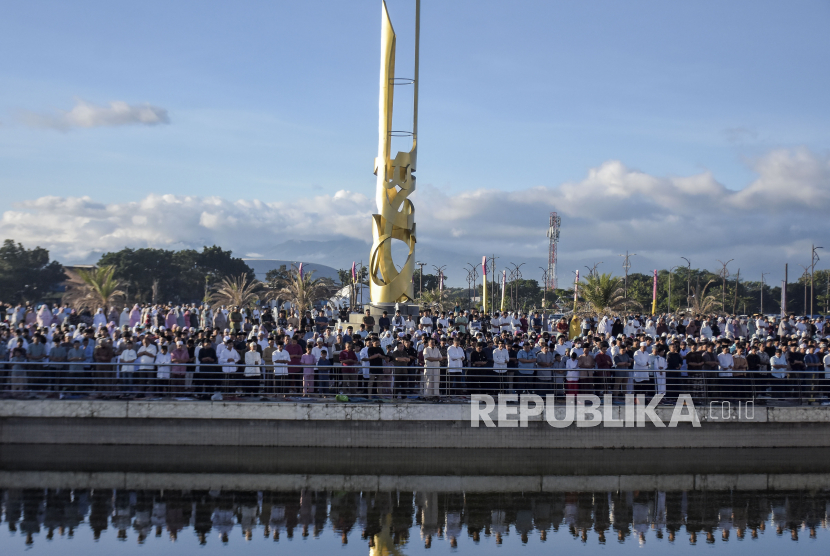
(724, 275)
(688, 280)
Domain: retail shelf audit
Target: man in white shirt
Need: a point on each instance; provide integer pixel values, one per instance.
(228, 357)
(725, 384)
(432, 369)
(409, 325)
(281, 359)
(455, 362)
(146, 364)
(778, 367)
(444, 321)
(640, 373)
(426, 322)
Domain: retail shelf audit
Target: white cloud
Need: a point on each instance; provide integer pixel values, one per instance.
(613, 209)
(87, 115)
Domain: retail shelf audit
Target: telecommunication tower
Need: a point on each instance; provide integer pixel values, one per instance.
(553, 236)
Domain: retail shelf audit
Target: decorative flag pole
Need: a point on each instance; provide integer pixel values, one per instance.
(503, 280)
(654, 295)
(300, 271)
(574, 329)
(484, 283)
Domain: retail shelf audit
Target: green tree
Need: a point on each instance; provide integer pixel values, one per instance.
(177, 276)
(237, 291)
(430, 281)
(93, 288)
(27, 274)
(304, 291)
(603, 292)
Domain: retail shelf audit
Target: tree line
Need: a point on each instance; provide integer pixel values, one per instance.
(186, 276)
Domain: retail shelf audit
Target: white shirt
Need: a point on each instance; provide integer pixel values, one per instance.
(280, 360)
(128, 357)
(641, 362)
(455, 359)
(252, 362)
(572, 373)
(500, 358)
(145, 362)
(725, 362)
(427, 322)
(782, 360)
(229, 357)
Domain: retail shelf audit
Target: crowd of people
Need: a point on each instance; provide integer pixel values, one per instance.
(254, 352)
(716, 516)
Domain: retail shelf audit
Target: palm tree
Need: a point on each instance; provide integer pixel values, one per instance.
(434, 299)
(702, 303)
(93, 288)
(603, 293)
(303, 291)
(235, 292)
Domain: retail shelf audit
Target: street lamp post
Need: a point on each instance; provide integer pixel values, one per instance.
(474, 272)
(806, 277)
(688, 279)
(516, 274)
(626, 267)
(544, 285)
(724, 274)
(420, 279)
(814, 259)
(762, 291)
(669, 296)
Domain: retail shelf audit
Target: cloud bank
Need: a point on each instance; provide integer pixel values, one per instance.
(771, 221)
(86, 115)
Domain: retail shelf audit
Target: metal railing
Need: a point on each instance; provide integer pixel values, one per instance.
(23, 380)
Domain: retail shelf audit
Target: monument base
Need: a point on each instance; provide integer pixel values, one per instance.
(377, 309)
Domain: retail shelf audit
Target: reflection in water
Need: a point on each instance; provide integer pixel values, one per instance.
(385, 520)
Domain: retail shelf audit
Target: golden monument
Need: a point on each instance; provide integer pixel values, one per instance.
(396, 215)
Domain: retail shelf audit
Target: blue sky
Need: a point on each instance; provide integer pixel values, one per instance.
(277, 101)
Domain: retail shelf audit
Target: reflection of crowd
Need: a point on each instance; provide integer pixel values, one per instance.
(701, 515)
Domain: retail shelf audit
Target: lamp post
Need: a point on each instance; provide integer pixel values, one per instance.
(762, 292)
(474, 272)
(439, 272)
(724, 274)
(420, 279)
(626, 267)
(545, 286)
(592, 271)
(813, 260)
(805, 276)
(669, 296)
(516, 274)
(469, 283)
(688, 279)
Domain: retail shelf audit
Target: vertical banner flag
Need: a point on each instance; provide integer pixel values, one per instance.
(484, 283)
(354, 273)
(503, 280)
(441, 281)
(783, 298)
(654, 295)
(576, 289)
(300, 271)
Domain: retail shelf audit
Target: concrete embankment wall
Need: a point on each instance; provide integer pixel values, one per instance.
(383, 425)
